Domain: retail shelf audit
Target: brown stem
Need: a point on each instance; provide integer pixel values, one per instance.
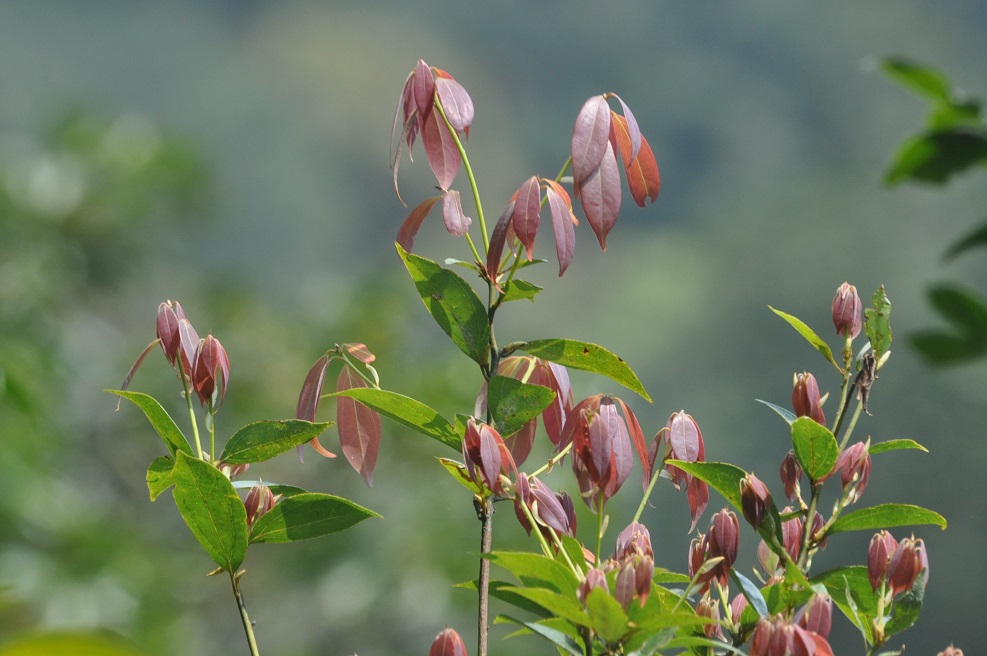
(483, 585)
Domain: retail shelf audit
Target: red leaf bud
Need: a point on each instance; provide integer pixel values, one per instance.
(904, 567)
(791, 534)
(950, 651)
(211, 373)
(854, 467)
(817, 615)
(806, 398)
(755, 500)
(791, 474)
(710, 608)
(169, 313)
(847, 311)
(595, 578)
(882, 547)
(448, 643)
(259, 500)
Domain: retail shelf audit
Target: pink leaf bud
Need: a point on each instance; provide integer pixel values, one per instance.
(806, 398)
(950, 651)
(259, 500)
(817, 615)
(791, 534)
(882, 547)
(169, 313)
(484, 450)
(595, 578)
(847, 311)
(448, 643)
(854, 467)
(904, 567)
(755, 500)
(791, 474)
(710, 608)
(211, 373)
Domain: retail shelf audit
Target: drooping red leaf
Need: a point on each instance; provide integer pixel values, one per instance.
(637, 438)
(423, 88)
(698, 494)
(527, 213)
(360, 352)
(308, 400)
(189, 340)
(498, 239)
(440, 148)
(590, 136)
(642, 169)
(407, 113)
(359, 427)
(456, 103)
(632, 128)
(563, 222)
(457, 223)
(409, 229)
(520, 443)
(621, 457)
(600, 196)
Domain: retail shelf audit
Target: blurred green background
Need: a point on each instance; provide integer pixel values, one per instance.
(233, 155)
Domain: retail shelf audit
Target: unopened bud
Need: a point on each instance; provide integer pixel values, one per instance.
(882, 547)
(905, 566)
(847, 311)
(595, 578)
(806, 400)
(211, 373)
(448, 643)
(755, 500)
(259, 500)
(791, 474)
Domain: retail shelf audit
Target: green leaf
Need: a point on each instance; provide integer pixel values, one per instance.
(160, 420)
(262, 440)
(453, 304)
(877, 323)
(784, 413)
(159, 476)
(408, 412)
(809, 335)
(606, 617)
(516, 290)
(721, 476)
(513, 404)
(74, 643)
(565, 643)
(536, 571)
(850, 590)
(751, 592)
(505, 592)
(308, 515)
(459, 472)
(939, 347)
(976, 238)
(963, 308)
(895, 445)
(906, 609)
(210, 506)
(887, 515)
(567, 608)
(922, 79)
(937, 155)
(587, 357)
(654, 642)
(815, 447)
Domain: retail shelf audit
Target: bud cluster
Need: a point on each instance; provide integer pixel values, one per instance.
(722, 542)
(898, 565)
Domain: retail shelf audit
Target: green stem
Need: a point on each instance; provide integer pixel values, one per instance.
(599, 528)
(470, 177)
(248, 626)
(191, 408)
(647, 495)
(810, 517)
(853, 422)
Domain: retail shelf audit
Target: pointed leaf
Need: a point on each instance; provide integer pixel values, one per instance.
(359, 427)
(566, 607)
(457, 223)
(409, 229)
(527, 213)
(263, 440)
(751, 592)
(937, 155)
(906, 609)
(975, 239)
(877, 324)
(513, 404)
(923, 79)
(161, 421)
(887, 515)
(630, 126)
(600, 196)
(453, 304)
(565, 643)
(606, 617)
(408, 412)
(784, 413)
(536, 571)
(895, 445)
(212, 510)
(809, 335)
(643, 177)
(563, 223)
(422, 87)
(308, 398)
(360, 352)
(459, 472)
(456, 102)
(498, 240)
(850, 589)
(964, 308)
(308, 515)
(590, 137)
(815, 447)
(516, 290)
(587, 357)
(441, 150)
(159, 476)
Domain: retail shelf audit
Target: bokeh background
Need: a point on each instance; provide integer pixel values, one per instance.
(233, 155)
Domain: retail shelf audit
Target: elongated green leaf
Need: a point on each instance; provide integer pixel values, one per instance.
(939, 347)
(73, 643)
(721, 476)
(517, 290)
(513, 404)
(877, 323)
(505, 592)
(922, 79)
(693, 641)
(809, 335)
(210, 506)
(262, 440)
(895, 445)
(459, 472)
(975, 239)
(536, 571)
(751, 592)
(159, 476)
(963, 308)
(160, 420)
(565, 643)
(937, 155)
(606, 617)
(654, 642)
(453, 304)
(588, 357)
(784, 413)
(567, 608)
(887, 515)
(850, 590)
(815, 447)
(306, 516)
(406, 411)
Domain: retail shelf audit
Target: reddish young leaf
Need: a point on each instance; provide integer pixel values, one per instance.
(498, 239)
(642, 169)
(456, 103)
(189, 340)
(443, 156)
(409, 229)
(698, 494)
(520, 443)
(634, 132)
(448, 643)
(308, 401)
(621, 458)
(457, 223)
(422, 89)
(556, 378)
(360, 352)
(590, 136)
(526, 216)
(600, 196)
(563, 222)
(637, 438)
(359, 427)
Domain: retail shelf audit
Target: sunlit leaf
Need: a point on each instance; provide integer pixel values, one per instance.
(70, 643)
(564, 642)
(784, 413)
(721, 476)
(536, 571)
(924, 79)
(159, 476)
(455, 101)
(887, 515)
(212, 510)
(311, 393)
(161, 421)
(263, 440)
(452, 303)
(409, 229)
(810, 336)
(600, 196)
(587, 357)
(408, 412)
(459, 472)
(456, 221)
(513, 403)
(606, 617)
(633, 131)
(815, 447)
(895, 445)
(563, 223)
(590, 137)
(850, 589)
(517, 290)
(527, 213)
(359, 427)
(308, 515)
(643, 177)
